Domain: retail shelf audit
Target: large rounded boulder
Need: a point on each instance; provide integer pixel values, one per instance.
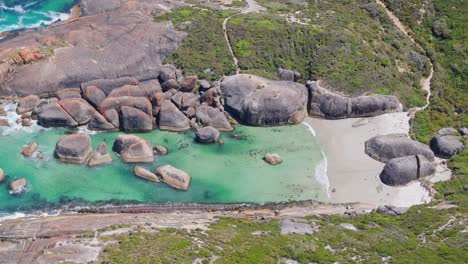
(171, 118)
(133, 149)
(53, 115)
(446, 143)
(79, 109)
(207, 135)
(174, 177)
(386, 147)
(75, 148)
(135, 120)
(209, 116)
(258, 101)
(401, 171)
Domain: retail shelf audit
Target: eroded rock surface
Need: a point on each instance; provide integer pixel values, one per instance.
(133, 149)
(75, 148)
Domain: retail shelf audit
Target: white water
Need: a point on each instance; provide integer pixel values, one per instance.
(12, 116)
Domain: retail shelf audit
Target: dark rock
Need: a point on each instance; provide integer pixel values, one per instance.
(445, 146)
(27, 104)
(259, 101)
(26, 122)
(133, 149)
(100, 123)
(2, 175)
(141, 103)
(207, 135)
(128, 90)
(392, 210)
(464, 131)
(190, 112)
(402, 170)
(69, 93)
(174, 177)
(188, 84)
(135, 120)
(326, 104)
(151, 87)
(204, 86)
(209, 116)
(288, 75)
(170, 118)
(170, 84)
(94, 95)
(75, 148)
(101, 156)
(53, 115)
(78, 109)
(160, 150)
(108, 85)
(167, 72)
(387, 147)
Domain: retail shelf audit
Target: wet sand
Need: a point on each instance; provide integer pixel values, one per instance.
(354, 176)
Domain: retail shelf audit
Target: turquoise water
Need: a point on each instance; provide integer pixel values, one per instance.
(221, 173)
(18, 14)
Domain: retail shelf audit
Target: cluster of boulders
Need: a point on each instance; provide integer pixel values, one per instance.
(408, 160)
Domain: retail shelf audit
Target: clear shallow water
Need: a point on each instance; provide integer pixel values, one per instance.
(18, 14)
(227, 173)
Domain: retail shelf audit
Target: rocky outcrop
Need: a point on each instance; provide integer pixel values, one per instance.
(128, 90)
(30, 149)
(403, 170)
(288, 75)
(69, 93)
(75, 148)
(446, 143)
(209, 116)
(27, 104)
(125, 41)
(18, 186)
(386, 147)
(170, 118)
(174, 177)
(78, 109)
(101, 156)
(135, 120)
(53, 115)
(329, 105)
(145, 174)
(207, 135)
(133, 149)
(273, 159)
(259, 101)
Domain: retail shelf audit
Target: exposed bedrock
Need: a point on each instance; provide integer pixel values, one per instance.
(133, 149)
(258, 101)
(386, 147)
(114, 39)
(75, 148)
(403, 170)
(329, 105)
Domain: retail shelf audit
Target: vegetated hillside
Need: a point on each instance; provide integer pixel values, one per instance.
(351, 45)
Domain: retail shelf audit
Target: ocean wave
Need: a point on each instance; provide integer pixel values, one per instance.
(15, 8)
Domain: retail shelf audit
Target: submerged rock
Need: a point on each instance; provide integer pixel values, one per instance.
(30, 149)
(188, 84)
(259, 101)
(326, 104)
(207, 135)
(133, 149)
(2, 111)
(18, 186)
(446, 143)
(402, 170)
(386, 147)
(273, 159)
(288, 75)
(101, 156)
(145, 174)
(174, 177)
(74, 148)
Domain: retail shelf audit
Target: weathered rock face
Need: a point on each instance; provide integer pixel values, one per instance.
(74, 148)
(53, 115)
(387, 147)
(145, 174)
(68, 93)
(174, 177)
(188, 84)
(288, 75)
(445, 145)
(273, 159)
(326, 104)
(209, 116)
(30, 149)
(151, 87)
(94, 95)
(141, 47)
(27, 104)
(133, 149)
(78, 109)
(259, 101)
(18, 186)
(101, 156)
(100, 123)
(128, 90)
(135, 120)
(207, 135)
(402, 170)
(170, 118)
(141, 103)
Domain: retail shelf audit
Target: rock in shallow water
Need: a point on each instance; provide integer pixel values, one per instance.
(403, 170)
(133, 149)
(135, 120)
(273, 159)
(18, 186)
(145, 174)
(74, 148)
(27, 104)
(171, 118)
(101, 156)
(2, 175)
(30, 149)
(207, 135)
(174, 177)
(53, 115)
(386, 147)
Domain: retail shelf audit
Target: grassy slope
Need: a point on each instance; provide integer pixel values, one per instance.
(350, 44)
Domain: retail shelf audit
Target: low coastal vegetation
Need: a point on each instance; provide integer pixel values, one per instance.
(352, 47)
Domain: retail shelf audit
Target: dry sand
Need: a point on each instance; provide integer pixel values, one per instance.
(354, 176)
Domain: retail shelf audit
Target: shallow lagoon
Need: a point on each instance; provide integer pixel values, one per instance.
(232, 172)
